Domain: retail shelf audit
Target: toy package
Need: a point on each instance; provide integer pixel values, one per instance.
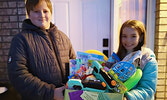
(79, 65)
(85, 56)
(77, 68)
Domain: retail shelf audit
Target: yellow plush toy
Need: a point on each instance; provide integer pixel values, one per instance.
(98, 53)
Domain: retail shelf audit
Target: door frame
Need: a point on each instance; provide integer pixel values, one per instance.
(150, 26)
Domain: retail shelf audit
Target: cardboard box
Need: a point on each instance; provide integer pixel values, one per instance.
(87, 95)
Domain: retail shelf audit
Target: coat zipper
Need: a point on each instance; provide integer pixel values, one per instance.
(57, 55)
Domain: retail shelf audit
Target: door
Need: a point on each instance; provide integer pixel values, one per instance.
(96, 24)
(85, 22)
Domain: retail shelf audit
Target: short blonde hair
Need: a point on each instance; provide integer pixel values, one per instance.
(30, 4)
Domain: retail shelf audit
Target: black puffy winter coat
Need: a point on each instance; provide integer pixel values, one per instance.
(36, 64)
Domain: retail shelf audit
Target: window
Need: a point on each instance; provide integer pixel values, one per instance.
(132, 9)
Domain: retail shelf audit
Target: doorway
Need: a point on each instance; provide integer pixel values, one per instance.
(94, 24)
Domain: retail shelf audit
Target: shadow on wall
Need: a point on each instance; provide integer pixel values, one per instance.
(10, 93)
(165, 39)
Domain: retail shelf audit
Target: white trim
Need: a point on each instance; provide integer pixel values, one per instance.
(60, 16)
(114, 25)
(150, 27)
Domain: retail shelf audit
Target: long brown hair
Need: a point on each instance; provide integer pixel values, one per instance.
(30, 4)
(137, 25)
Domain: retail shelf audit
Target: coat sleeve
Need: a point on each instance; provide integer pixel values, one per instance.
(71, 52)
(28, 85)
(146, 87)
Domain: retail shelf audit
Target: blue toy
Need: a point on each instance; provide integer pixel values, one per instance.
(124, 70)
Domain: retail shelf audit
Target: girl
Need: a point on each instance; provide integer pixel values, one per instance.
(133, 38)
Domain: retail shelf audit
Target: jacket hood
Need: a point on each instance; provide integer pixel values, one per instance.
(28, 25)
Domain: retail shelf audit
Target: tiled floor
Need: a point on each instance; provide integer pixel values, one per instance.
(10, 94)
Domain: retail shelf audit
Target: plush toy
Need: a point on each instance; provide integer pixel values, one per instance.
(98, 53)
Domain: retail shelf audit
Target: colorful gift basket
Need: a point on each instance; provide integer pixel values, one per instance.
(93, 72)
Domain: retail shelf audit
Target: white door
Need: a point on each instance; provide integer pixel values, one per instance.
(86, 23)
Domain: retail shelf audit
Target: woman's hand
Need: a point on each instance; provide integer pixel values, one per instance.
(58, 93)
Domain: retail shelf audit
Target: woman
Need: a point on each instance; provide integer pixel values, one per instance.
(37, 56)
(133, 38)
